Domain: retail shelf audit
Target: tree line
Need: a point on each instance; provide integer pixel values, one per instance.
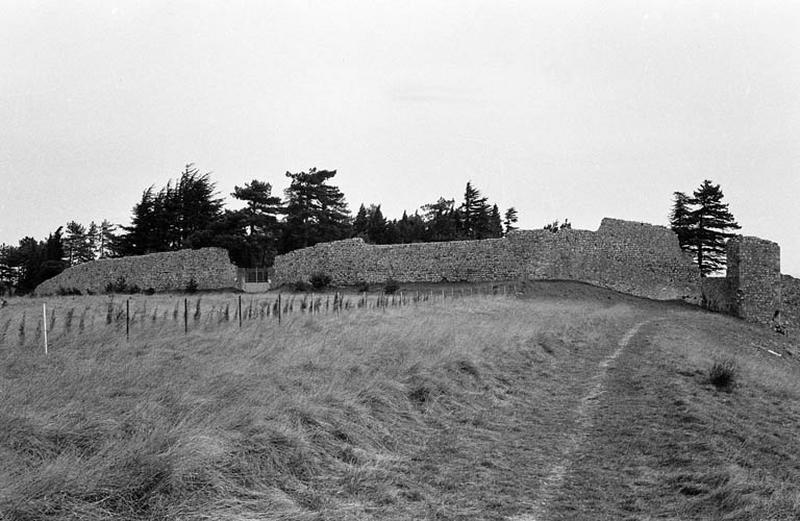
(189, 213)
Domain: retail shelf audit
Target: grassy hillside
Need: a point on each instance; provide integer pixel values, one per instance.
(462, 409)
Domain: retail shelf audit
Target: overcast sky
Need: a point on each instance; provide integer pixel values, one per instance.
(579, 109)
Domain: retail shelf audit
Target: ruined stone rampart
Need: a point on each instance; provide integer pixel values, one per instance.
(790, 310)
(636, 258)
(754, 272)
(751, 288)
(210, 268)
(717, 295)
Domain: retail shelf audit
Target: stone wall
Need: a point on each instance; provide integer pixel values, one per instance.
(636, 258)
(754, 275)
(752, 286)
(352, 261)
(790, 310)
(210, 268)
(717, 295)
(631, 257)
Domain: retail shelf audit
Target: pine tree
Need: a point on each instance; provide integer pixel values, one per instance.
(495, 223)
(475, 214)
(680, 218)
(709, 221)
(315, 211)
(360, 222)
(410, 228)
(106, 239)
(165, 220)
(441, 221)
(258, 196)
(93, 240)
(511, 219)
(262, 230)
(196, 204)
(76, 244)
(376, 225)
(33, 262)
(145, 233)
(392, 235)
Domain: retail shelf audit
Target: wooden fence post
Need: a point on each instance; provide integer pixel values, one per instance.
(185, 316)
(44, 325)
(127, 319)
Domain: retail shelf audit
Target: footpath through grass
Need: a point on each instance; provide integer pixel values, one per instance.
(453, 410)
(667, 443)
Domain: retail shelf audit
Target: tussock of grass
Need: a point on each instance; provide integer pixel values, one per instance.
(722, 374)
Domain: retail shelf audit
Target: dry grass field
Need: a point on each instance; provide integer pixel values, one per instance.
(562, 402)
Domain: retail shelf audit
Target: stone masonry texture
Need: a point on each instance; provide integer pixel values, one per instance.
(790, 310)
(754, 276)
(717, 295)
(631, 257)
(210, 268)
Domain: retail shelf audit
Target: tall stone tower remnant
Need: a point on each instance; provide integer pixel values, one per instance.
(754, 276)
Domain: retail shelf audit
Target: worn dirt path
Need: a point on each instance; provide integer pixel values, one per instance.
(584, 415)
(652, 438)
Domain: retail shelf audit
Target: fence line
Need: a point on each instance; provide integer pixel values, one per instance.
(137, 318)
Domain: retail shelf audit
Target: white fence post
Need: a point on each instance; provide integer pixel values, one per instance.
(44, 325)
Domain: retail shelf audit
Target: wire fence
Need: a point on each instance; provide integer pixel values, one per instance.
(67, 318)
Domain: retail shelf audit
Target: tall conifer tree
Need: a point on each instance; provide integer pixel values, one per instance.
(315, 210)
(702, 223)
(711, 220)
(77, 247)
(262, 232)
(680, 218)
(441, 221)
(376, 225)
(475, 214)
(165, 220)
(360, 222)
(107, 238)
(495, 223)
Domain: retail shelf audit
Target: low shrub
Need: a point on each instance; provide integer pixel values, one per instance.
(723, 374)
(121, 286)
(320, 280)
(191, 286)
(362, 286)
(63, 292)
(301, 286)
(391, 286)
